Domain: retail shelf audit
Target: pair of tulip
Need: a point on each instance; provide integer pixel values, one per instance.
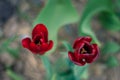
(84, 52)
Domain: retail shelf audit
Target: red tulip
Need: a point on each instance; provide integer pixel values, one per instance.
(84, 52)
(39, 43)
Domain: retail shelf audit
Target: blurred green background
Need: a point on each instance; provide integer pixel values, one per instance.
(65, 20)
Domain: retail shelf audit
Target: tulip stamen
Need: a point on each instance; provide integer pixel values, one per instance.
(83, 51)
(38, 43)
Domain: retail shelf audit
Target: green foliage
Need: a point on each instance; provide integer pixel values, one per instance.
(62, 70)
(94, 7)
(67, 46)
(110, 48)
(48, 67)
(117, 3)
(112, 62)
(54, 15)
(110, 21)
(13, 75)
(66, 77)
(13, 52)
(80, 71)
(85, 74)
(54, 77)
(5, 46)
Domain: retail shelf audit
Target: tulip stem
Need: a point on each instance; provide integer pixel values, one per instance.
(47, 65)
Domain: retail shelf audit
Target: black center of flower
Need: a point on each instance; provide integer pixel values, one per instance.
(86, 49)
(37, 42)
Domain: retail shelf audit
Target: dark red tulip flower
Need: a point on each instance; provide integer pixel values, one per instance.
(39, 43)
(84, 52)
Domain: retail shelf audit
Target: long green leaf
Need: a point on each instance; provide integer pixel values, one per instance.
(110, 48)
(67, 46)
(54, 15)
(110, 21)
(94, 7)
(79, 71)
(13, 75)
(48, 67)
(117, 3)
(112, 61)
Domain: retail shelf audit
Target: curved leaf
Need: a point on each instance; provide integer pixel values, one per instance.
(55, 14)
(45, 60)
(79, 71)
(112, 62)
(110, 21)
(96, 7)
(110, 48)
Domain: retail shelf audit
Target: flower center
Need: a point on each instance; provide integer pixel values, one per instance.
(83, 51)
(86, 49)
(37, 42)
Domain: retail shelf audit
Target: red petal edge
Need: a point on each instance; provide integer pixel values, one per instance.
(26, 42)
(38, 29)
(73, 59)
(80, 39)
(34, 48)
(95, 53)
(45, 47)
(50, 45)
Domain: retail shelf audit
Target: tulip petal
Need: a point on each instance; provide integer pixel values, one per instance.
(80, 39)
(50, 45)
(38, 29)
(92, 57)
(88, 39)
(73, 58)
(78, 45)
(88, 58)
(26, 42)
(96, 51)
(44, 47)
(81, 63)
(34, 48)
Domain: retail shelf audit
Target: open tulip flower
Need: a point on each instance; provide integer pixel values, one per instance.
(84, 52)
(39, 43)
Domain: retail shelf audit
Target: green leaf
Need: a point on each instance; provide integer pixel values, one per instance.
(54, 77)
(8, 41)
(47, 65)
(79, 71)
(58, 67)
(67, 46)
(13, 52)
(94, 7)
(110, 48)
(112, 62)
(54, 15)
(110, 21)
(5, 46)
(67, 77)
(117, 3)
(13, 75)
(85, 75)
